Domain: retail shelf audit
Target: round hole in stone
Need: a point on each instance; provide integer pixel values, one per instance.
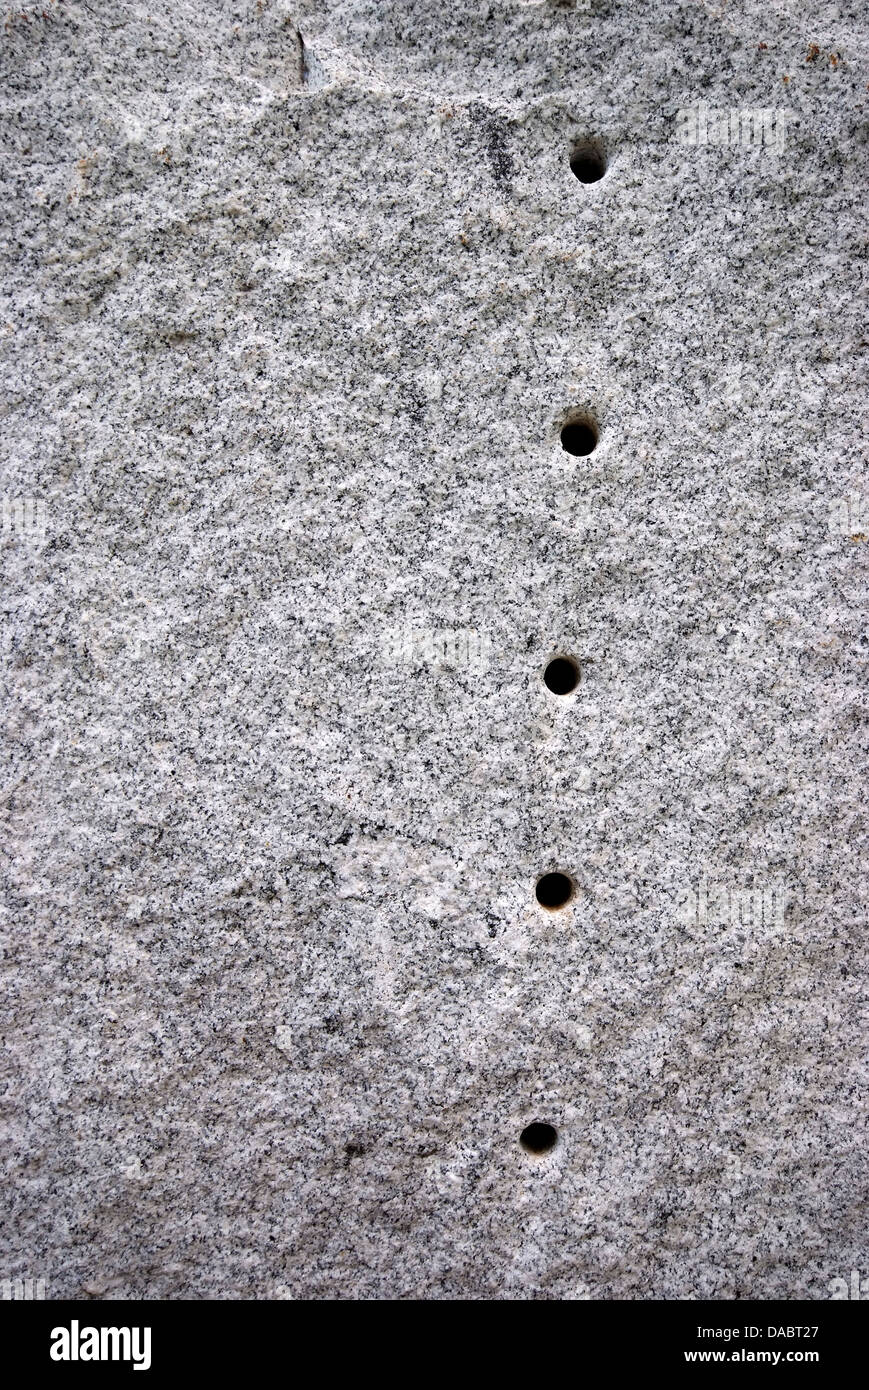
(561, 675)
(538, 1138)
(554, 891)
(579, 436)
(588, 162)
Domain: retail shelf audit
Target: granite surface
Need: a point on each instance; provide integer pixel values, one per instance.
(298, 298)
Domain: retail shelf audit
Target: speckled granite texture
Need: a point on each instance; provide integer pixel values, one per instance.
(297, 298)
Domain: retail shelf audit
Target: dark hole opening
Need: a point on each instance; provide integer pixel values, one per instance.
(579, 437)
(554, 890)
(561, 675)
(588, 164)
(537, 1138)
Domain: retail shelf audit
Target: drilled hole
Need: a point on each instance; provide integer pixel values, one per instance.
(579, 436)
(554, 890)
(587, 163)
(561, 675)
(538, 1138)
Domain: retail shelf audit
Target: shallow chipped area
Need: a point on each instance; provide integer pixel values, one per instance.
(298, 302)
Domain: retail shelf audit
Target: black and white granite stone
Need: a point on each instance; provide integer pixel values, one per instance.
(297, 300)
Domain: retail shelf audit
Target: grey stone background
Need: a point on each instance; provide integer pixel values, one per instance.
(297, 297)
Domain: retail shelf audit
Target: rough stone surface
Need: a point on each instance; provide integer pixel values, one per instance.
(297, 297)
